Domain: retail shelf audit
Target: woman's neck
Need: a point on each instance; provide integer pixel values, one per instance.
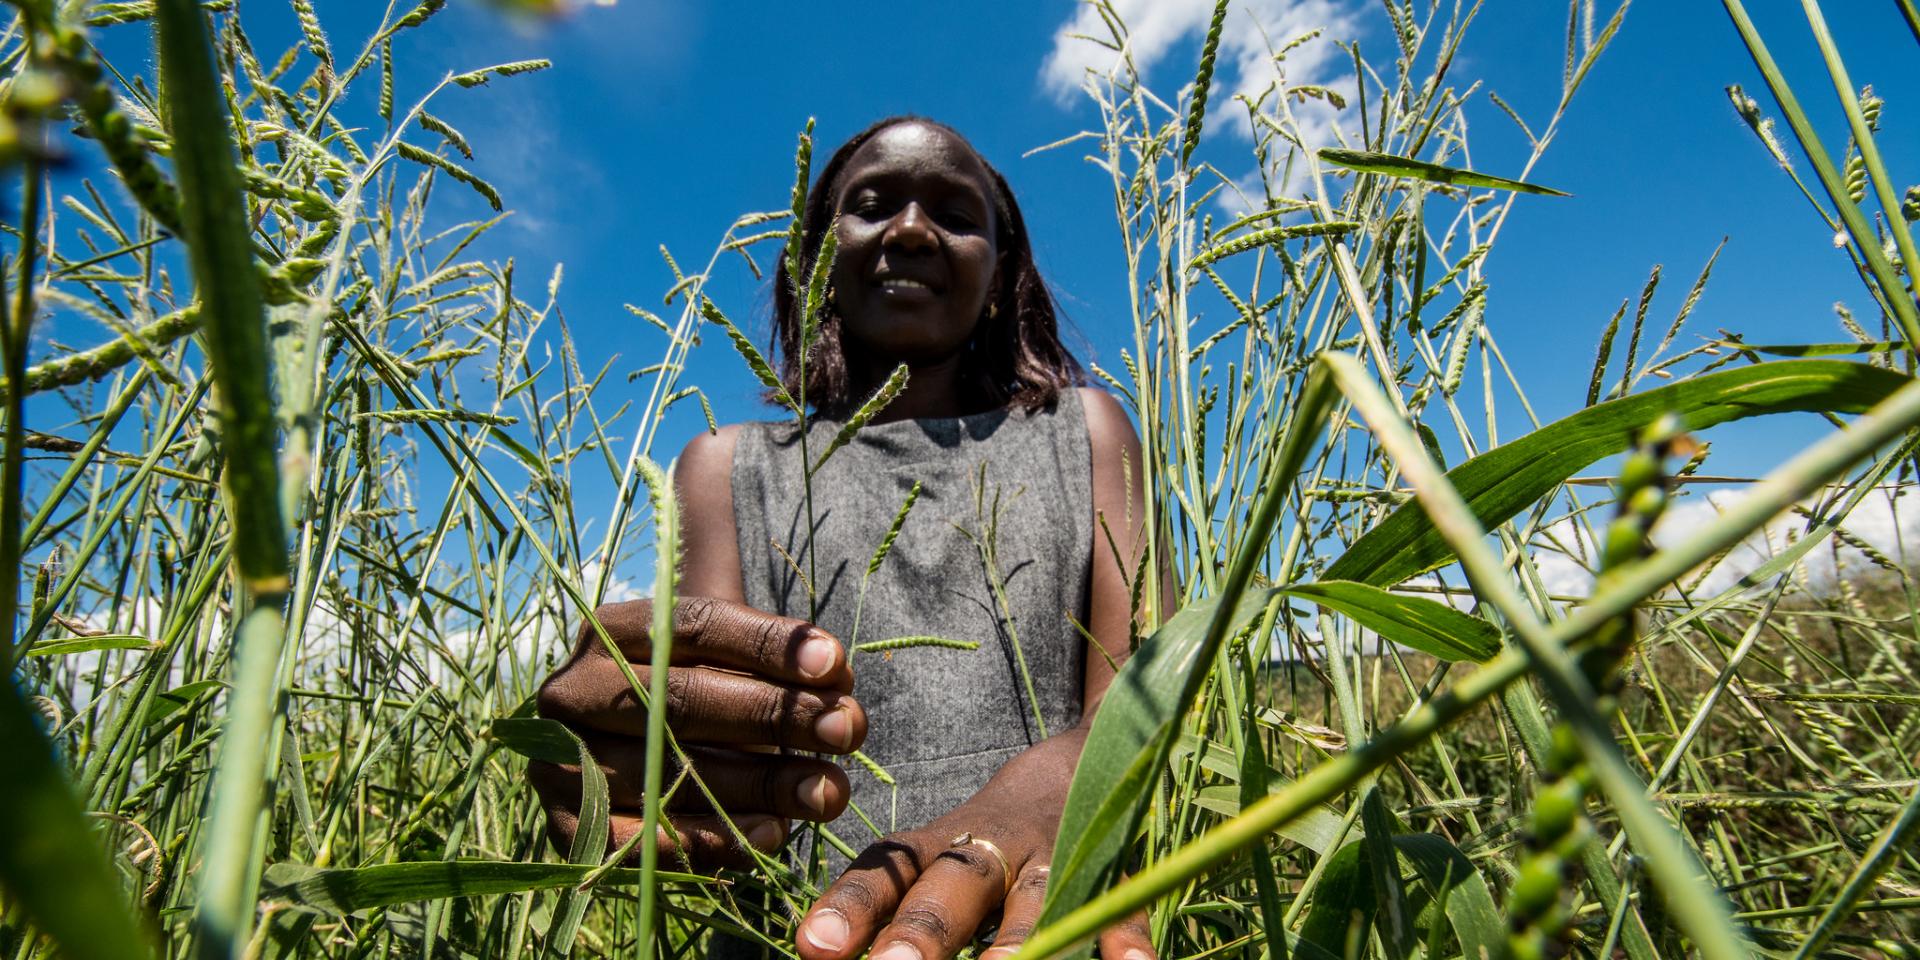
(937, 389)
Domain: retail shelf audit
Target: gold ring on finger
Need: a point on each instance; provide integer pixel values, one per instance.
(1006, 870)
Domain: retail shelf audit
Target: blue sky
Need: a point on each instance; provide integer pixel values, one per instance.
(663, 119)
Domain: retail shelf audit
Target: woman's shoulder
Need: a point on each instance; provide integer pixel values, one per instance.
(708, 457)
(1107, 422)
(714, 455)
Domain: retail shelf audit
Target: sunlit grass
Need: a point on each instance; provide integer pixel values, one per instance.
(282, 644)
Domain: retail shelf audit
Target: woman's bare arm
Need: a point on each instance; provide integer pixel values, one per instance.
(709, 539)
(1119, 497)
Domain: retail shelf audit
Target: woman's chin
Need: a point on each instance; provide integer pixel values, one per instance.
(912, 339)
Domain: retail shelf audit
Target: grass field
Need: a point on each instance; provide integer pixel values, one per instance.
(295, 537)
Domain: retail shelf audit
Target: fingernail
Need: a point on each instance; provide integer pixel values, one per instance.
(766, 835)
(897, 950)
(835, 727)
(813, 793)
(1135, 953)
(827, 930)
(818, 655)
(1001, 953)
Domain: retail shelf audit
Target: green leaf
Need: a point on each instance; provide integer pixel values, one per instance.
(536, 739)
(1818, 349)
(1389, 165)
(1460, 889)
(51, 864)
(1383, 868)
(1345, 888)
(519, 450)
(1428, 626)
(1317, 830)
(168, 703)
(1507, 479)
(1344, 896)
(343, 891)
(1431, 441)
(1130, 737)
(590, 835)
(61, 648)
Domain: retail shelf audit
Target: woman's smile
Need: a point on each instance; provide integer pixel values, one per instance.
(906, 288)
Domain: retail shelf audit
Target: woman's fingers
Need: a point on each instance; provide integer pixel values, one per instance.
(1131, 939)
(915, 897)
(710, 632)
(798, 788)
(855, 907)
(708, 706)
(944, 907)
(701, 842)
(1021, 913)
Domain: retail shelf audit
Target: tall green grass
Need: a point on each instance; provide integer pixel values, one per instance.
(294, 544)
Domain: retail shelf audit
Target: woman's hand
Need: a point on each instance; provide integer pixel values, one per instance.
(920, 895)
(740, 678)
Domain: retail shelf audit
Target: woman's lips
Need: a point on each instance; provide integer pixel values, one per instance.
(904, 288)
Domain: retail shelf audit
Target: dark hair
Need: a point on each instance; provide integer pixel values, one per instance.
(1015, 356)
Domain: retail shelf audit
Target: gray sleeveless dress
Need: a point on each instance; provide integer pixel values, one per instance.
(941, 721)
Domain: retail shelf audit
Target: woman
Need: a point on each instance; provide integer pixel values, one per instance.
(1017, 467)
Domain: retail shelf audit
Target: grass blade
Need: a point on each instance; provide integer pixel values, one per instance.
(225, 281)
(346, 891)
(666, 552)
(44, 835)
(1392, 166)
(1426, 625)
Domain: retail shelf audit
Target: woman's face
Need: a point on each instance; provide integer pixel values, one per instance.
(917, 263)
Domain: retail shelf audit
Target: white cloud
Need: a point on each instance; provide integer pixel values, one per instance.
(1881, 520)
(619, 589)
(1253, 31)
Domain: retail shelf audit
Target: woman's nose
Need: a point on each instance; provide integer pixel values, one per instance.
(910, 230)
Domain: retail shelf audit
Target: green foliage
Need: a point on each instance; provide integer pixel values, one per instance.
(319, 530)
(1501, 482)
